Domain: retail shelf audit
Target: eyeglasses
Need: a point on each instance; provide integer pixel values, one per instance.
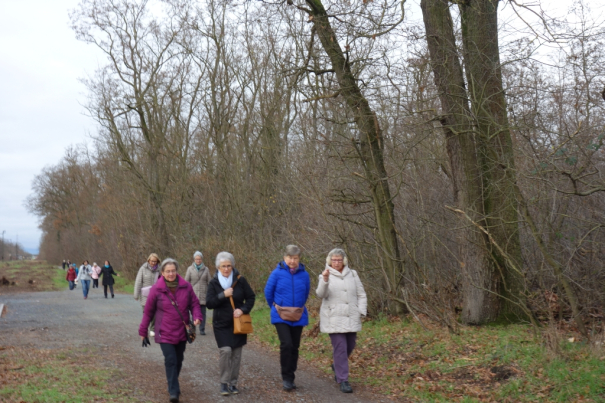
(337, 260)
(169, 271)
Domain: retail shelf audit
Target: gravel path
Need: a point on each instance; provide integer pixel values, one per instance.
(109, 328)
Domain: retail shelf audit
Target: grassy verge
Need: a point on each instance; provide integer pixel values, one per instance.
(56, 376)
(399, 358)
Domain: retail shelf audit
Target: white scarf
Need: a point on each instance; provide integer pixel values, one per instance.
(225, 281)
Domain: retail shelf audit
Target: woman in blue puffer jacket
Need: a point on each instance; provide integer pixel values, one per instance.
(288, 287)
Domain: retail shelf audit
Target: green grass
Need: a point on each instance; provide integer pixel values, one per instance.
(398, 357)
(52, 376)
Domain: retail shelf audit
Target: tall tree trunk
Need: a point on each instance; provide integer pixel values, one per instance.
(481, 278)
(370, 147)
(488, 103)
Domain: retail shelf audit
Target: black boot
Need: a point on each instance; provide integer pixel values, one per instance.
(345, 387)
(224, 389)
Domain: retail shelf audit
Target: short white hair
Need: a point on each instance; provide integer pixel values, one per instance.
(337, 252)
(198, 253)
(223, 256)
(292, 250)
(169, 261)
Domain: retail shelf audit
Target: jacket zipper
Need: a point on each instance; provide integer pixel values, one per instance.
(293, 293)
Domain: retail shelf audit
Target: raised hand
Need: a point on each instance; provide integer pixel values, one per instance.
(326, 274)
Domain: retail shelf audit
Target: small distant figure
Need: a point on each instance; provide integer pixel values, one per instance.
(73, 266)
(64, 264)
(96, 270)
(71, 278)
(85, 276)
(108, 273)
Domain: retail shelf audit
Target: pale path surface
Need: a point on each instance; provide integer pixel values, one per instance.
(64, 319)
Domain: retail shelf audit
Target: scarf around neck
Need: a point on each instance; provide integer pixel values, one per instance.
(153, 268)
(172, 284)
(225, 281)
(198, 267)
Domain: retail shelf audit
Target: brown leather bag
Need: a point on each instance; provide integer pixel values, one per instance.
(289, 313)
(243, 324)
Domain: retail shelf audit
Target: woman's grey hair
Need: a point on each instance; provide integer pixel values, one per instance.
(337, 252)
(222, 256)
(198, 253)
(292, 250)
(167, 262)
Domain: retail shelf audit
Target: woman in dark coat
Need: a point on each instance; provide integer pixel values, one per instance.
(230, 345)
(108, 273)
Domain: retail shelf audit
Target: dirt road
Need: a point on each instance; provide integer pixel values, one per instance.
(108, 327)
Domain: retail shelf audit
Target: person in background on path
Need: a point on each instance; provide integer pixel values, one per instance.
(64, 264)
(343, 304)
(73, 265)
(84, 276)
(147, 276)
(199, 277)
(76, 267)
(107, 272)
(288, 286)
(96, 270)
(166, 298)
(71, 278)
(218, 298)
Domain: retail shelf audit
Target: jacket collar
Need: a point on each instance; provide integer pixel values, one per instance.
(336, 273)
(161, 284)
(283, 266)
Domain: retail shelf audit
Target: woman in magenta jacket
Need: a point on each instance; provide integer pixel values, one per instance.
(170, 331)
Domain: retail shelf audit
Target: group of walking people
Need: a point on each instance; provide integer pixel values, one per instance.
(87, 274)
(170, 303)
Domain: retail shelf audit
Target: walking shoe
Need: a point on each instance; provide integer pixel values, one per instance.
(288, 386)
(224, 389)
(112, 295)
(202, 333)
(333, 370)
(151, 333)
(233, 389)
(174, 399)
(345, 387)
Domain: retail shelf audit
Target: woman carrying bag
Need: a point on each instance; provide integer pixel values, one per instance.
(287, 291)
(169, 301)
(231, 298)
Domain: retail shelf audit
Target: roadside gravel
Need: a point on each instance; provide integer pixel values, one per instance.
(108, 329)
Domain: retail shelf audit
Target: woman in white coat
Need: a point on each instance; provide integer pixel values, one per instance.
(343, 304)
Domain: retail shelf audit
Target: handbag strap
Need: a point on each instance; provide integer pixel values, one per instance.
(174, 304)
(233, 286)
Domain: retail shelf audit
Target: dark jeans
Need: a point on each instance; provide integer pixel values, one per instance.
(173, 361)
(289, 342)
(342, 347)
(95, 283)
(71, 285)
(110, 289)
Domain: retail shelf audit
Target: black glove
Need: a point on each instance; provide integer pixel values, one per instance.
(146, 342)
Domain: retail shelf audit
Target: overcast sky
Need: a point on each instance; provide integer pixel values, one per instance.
(40, 96)
(40, 100)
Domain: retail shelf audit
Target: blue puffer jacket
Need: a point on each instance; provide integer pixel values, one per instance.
(287, 289)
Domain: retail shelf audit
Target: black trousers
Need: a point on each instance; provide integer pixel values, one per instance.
(289, 342)
(173, 361)
(95, 283)
(105, 289)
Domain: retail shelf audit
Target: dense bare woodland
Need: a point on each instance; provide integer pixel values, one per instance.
(457, 156)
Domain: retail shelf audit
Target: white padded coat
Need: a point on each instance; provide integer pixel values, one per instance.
(199, 280)
(145, 278)
(343, 303)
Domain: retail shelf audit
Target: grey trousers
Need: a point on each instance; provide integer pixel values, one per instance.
(229, 362)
